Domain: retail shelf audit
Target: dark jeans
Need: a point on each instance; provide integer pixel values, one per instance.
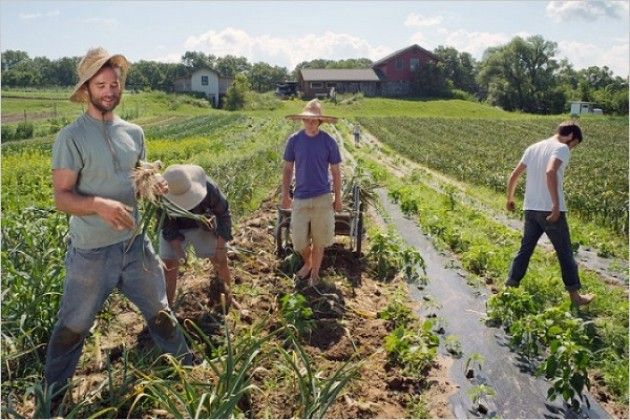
(558, 233)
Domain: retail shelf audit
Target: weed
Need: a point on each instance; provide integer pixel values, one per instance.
(453, 345)
(296, 312)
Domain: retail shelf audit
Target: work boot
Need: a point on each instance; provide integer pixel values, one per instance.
(511, 283)
(579, 300)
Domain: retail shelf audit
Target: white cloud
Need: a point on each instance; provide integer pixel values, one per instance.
(583, 55)
(287, 52)
(476, 43)
(562, 11)
(421, 21)
(27, 16)
(102, 23)
(419, 38)
(168, 58)
(37, 15)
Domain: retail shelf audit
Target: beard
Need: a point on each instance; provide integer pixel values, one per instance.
(99, 103)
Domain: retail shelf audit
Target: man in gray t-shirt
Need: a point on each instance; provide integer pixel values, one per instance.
(93, 160)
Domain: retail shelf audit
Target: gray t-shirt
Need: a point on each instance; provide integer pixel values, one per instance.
(82, 147)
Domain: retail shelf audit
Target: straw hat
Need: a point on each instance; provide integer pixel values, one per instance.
(91, 64)
(312, 111)
(186, 185)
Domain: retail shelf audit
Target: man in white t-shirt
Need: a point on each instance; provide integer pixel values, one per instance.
(545, 208)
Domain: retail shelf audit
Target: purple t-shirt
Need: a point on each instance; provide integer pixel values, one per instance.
(311, 155)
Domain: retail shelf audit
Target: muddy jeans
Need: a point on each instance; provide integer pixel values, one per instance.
(91, 276)
(558, 233)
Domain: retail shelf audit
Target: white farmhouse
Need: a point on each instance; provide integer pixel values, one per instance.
(207, 81)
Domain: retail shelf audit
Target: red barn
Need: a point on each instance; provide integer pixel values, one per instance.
(389, 76)
(396, 70)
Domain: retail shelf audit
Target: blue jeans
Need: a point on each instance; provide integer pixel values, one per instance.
(91, 276)
(558, 233)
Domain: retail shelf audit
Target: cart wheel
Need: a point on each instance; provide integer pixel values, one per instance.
(280, 248)
(282, 233)
(283, 239)
(359, 238)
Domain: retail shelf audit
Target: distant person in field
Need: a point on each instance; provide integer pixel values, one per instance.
(312, 152)
(545, 207)
(190, 188)
(92, 164)
(356, 130)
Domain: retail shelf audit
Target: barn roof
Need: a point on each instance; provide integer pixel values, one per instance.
(395, 53)
(339, 75)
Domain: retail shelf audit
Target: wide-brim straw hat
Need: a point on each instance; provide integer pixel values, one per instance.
(186, 185)
(312, 111)
(89, 65)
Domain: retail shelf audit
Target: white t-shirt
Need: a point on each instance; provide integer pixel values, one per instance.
(536, 158)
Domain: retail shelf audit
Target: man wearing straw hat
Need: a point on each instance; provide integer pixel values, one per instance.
(191, 189)
(311, 152)
(93, 160)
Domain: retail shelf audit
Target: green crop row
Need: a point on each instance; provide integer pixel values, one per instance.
(238, 153)
(484, 152)
(486, 248)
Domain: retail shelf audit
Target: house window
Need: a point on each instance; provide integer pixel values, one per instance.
(204, 80)
(399, 64)
(414, 64)
(317, 85)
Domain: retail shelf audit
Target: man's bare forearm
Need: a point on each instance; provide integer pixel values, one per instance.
(76, 204)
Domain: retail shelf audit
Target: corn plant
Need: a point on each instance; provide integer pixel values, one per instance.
(33, 249)
(317, 393)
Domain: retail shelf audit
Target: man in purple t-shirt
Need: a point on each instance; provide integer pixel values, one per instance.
(311, 152)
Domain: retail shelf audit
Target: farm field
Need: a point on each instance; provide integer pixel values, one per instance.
(484, 152)
(357, 347)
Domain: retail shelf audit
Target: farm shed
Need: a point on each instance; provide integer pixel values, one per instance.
(318, 82)
(206, 81)
(582, 107)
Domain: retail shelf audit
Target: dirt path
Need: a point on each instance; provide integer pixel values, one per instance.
(519, 394)
(612, 270)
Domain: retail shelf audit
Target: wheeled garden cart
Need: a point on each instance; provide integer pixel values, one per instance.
(347, 223)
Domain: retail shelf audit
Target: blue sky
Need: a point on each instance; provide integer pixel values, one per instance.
(285, 33)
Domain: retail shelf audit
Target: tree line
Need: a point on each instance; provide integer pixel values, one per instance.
(522, 75)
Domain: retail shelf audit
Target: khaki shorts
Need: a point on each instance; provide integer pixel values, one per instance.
(313, 218)
(202, 241)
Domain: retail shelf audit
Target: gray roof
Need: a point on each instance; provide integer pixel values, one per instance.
(339, 75)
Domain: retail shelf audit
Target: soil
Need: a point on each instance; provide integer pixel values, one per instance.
(346, 329)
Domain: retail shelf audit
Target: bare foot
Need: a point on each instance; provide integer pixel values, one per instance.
(579, 300)
(304, 271)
